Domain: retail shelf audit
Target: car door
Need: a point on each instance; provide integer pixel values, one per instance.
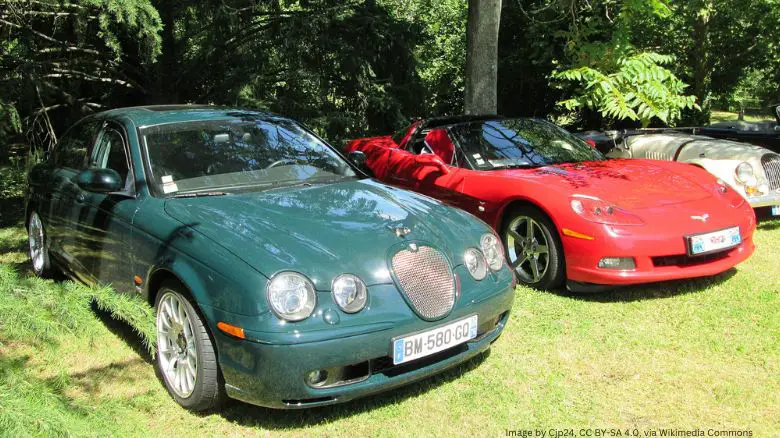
(445, 186)
(69, 158)
(105, 219)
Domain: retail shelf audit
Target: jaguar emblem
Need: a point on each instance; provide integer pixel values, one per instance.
(400, 231)
(702, 218)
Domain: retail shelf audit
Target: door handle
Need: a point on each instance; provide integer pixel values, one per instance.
(81, 198)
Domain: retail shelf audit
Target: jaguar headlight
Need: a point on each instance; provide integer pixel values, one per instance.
(291, 296)
(475, 263)
(493, 251)
(745, 174)
(349, 293)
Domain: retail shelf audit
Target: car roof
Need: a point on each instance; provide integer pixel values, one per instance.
(437, 122)
(159, 114)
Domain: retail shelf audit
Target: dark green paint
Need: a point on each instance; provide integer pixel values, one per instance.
(224, 249)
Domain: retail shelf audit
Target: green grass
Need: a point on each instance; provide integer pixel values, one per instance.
(725, 116)
(690, 354)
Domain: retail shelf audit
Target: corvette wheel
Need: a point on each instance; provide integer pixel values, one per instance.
(39, 250)
(533, 248)
(186, 357)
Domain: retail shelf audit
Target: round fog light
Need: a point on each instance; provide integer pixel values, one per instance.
(618, 263)
(317, 378)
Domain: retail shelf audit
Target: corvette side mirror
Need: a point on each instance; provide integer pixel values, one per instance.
(433, 161)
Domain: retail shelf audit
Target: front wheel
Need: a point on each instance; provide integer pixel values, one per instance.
(186, 357)
(533, 248)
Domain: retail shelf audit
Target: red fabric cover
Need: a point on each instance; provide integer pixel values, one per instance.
(441, 144)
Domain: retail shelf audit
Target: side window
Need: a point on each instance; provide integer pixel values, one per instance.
(110, 153)
(71, 150)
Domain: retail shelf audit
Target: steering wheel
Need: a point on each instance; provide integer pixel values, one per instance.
(282, 161)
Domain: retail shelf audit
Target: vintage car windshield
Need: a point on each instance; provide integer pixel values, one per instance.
(511, 143)
(238, 154)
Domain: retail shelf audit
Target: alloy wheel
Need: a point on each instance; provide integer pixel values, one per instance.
(528, 250)
(176, 345)
(37, 242)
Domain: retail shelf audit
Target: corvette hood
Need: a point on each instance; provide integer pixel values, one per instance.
(325, 230)
(630, 184)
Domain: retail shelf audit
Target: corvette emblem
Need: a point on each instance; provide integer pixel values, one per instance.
(702, 218)
(400, 231)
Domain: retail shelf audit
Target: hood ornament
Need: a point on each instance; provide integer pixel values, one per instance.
(702, 218)
(399, 231)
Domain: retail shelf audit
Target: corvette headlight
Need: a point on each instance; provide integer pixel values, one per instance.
(475, 263)
(493, 251)
(595, 210)
(745, 174)
(350, 293)
(291, 296)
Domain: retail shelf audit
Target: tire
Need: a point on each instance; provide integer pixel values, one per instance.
(186, 358)
(39, 247)
(539, 245)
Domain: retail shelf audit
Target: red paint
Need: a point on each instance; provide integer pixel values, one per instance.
(661, 196)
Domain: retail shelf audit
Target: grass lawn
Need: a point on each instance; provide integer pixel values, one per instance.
(692, 354)
(725, 116)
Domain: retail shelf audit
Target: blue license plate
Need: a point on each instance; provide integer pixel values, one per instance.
(776, 210)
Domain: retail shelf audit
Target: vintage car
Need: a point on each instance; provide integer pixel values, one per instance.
(563, 211)
(764, 134)
(281, 275)
(751, 170)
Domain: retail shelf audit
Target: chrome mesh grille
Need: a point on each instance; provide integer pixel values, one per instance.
(771, 164)
(426, 278)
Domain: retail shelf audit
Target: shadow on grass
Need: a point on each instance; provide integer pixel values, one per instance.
(650, 291)
(276, 419)
(125, 332)
(769, 225)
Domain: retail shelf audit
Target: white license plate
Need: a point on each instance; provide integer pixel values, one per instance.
(776, 210)
(415, 346)
(715, 241)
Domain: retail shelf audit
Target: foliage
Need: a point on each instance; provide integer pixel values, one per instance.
(638, 89)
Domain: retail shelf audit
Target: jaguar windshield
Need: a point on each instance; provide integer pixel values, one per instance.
(220, 156)
(519, 143)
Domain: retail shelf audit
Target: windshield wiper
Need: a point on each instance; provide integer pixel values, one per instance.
(519, 166)
(198, 194)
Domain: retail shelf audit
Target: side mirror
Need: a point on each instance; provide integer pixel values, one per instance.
(358, 158)
(99, 180)
(432, 160)
(777, 128)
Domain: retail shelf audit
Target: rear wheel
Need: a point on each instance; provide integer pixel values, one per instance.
(39, 249)
(533, 248)
(186, 357)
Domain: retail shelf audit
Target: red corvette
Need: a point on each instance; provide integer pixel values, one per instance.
(564, 212)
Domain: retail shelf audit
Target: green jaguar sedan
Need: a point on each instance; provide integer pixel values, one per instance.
(280, 273)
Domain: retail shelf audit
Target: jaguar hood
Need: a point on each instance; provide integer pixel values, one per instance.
(326, 230)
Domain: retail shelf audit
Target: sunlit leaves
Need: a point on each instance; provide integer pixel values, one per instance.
(639, 88)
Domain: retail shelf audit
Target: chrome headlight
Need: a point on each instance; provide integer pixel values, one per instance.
(493, 251)
(350, 293)
(291, 296)
(745, 174)
(475, 263)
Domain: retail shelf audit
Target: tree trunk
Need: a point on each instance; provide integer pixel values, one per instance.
(482, 57)
(702, 63)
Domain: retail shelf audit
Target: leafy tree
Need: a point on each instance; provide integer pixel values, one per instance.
(637, 87)
(63, 58)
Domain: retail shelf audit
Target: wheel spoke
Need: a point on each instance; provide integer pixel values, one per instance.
(519, 262)
(529, 229)
(542, 249)
(535, 269)
(516, 236)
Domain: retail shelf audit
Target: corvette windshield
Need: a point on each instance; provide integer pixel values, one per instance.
(497, 144)
(238, 154)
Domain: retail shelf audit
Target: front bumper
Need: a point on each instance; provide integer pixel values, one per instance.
(658, 248)
(272, 374)
(767, 200)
